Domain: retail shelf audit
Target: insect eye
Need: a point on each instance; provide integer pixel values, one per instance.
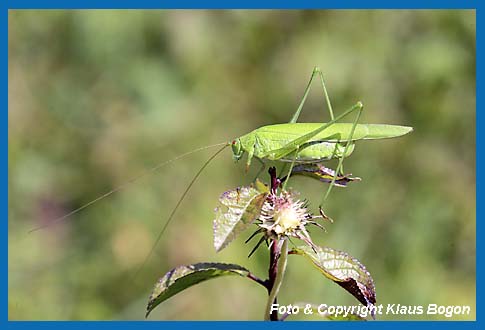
(236, 149)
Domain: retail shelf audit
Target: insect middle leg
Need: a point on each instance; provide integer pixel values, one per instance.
(359, 108)
(302, 140)
(291, 167)
(296, 115)
(294, 145)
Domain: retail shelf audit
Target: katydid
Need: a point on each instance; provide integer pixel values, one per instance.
(292, 142)
(312, 142)
(301, 143)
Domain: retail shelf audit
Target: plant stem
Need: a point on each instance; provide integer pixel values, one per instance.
(256, 279)
(275, 252)
(275, 182)
(272, 272)
(278, 266)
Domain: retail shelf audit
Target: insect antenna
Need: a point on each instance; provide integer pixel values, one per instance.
(123, 186)
(170, 217)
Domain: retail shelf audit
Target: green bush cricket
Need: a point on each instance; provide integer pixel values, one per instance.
(301, 142)
(292, 142)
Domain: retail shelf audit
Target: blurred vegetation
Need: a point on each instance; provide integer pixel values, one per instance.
(96, 97)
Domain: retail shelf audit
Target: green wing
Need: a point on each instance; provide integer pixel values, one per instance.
(278, 141)
(382, 131)
(337, 132)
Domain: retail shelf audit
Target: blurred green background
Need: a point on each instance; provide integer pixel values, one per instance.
(97, 97)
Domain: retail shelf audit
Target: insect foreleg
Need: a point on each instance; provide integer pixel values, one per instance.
(261, 169)
(250, 157)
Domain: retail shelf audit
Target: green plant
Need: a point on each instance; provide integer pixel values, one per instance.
(279, 215)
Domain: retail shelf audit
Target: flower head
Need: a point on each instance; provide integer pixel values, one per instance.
(283, 214)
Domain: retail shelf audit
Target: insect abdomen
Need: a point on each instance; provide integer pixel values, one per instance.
(319, 151)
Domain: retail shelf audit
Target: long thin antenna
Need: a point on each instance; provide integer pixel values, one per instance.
(124, 185)
(170, 217)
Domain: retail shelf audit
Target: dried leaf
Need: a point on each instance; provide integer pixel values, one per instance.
(238, 209)
(343, 269)
(323, 174)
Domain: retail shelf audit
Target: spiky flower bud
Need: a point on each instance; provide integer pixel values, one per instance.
(283, 214)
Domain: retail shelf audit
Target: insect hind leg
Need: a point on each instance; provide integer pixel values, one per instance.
(339, 168)
(327, 98)
(316, 70)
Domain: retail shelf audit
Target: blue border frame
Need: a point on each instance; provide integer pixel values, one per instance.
(240, 4)
(282, 4)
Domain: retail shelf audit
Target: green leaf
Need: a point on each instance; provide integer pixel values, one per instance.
(238, 209)
(343, 269)
(323, 174)
(183, 277)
